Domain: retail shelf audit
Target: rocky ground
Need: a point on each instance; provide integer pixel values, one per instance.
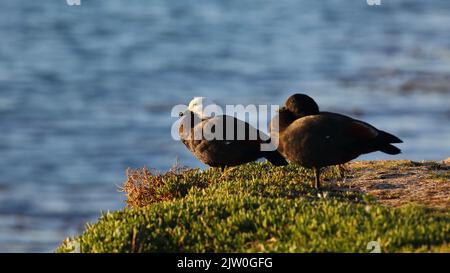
(396, 183)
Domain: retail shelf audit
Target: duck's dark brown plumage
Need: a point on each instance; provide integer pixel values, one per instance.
(223, 152)
(316, 139)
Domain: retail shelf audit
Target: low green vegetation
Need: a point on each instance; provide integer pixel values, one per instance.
(256, 208)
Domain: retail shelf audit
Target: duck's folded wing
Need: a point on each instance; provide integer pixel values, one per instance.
(232, 129)
(371, 139)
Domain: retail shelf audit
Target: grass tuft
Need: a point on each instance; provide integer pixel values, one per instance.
(257, 208)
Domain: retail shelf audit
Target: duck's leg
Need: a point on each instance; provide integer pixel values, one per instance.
(316, 182)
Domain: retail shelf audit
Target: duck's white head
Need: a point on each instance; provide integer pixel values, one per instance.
(204, 107)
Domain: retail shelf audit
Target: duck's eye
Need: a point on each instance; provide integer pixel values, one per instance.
(180, 114)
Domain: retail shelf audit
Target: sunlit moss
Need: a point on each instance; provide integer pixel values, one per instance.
(256, 208)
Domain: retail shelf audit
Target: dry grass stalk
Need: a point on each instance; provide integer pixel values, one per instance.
(142, 187)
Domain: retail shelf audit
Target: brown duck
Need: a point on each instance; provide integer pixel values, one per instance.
(223, 152)
(315, 139)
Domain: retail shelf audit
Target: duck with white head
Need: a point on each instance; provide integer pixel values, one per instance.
(222, 141)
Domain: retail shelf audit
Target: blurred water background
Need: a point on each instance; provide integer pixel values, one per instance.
(86, 92)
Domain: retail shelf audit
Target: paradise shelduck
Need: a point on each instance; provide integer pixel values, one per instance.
(199, 134)
(315, 139)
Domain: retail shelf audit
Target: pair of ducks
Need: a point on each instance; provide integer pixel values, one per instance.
(305, 136)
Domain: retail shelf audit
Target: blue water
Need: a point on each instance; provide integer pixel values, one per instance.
(86, 92)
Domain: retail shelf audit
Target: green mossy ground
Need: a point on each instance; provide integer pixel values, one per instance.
(257, 208)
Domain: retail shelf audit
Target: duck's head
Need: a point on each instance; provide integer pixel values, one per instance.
(188, 120)
(301, 105)
(282, 120)
(203, 107)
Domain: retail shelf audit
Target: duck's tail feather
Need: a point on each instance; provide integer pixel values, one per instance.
(389, 149)
(389, 138)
